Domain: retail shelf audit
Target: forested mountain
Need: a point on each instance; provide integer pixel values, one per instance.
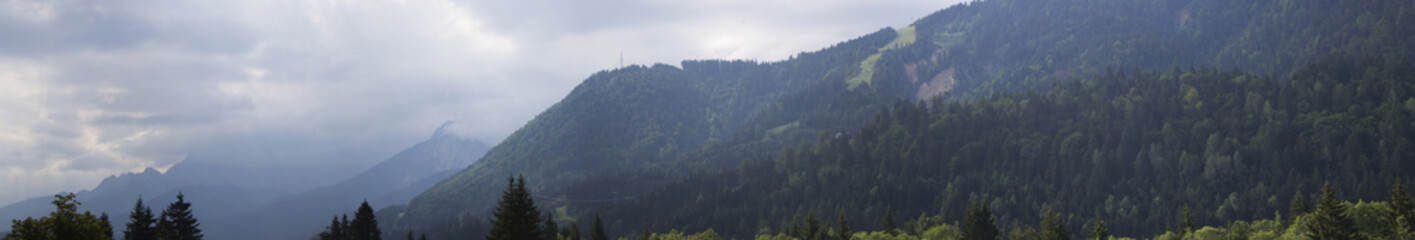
(621, 134)
(1132, 148)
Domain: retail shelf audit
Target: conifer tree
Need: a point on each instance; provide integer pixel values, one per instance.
(516, 216)
(1053, 228)
(598, 232)
(1186, 219)
(842, 231)
(179, 223)
(1299, 206)
(1401, 213)
(365, 224)
(1330, 220)
(551, 228)
(141, 224)
(889, 225)
(1099, 231)
(977, 223)
(335, 231)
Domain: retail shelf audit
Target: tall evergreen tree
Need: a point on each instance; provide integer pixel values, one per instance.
(516, 216)
(141, 224)
(1098, 231)
(842, 230)
(365, 224)
(598, 232)
(1299, 206)
(1401, 214)
(977, 223)
(1053, 228)
(335, 231)
(889, 220)
(551, 228)
(1186, 219)
(180, 224)
(1330, 220)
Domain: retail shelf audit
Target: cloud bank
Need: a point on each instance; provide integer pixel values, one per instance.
(94, 88)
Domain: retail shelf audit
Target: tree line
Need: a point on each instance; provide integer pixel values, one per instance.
(66, 223)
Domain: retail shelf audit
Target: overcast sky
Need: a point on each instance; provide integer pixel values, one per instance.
(90, 89)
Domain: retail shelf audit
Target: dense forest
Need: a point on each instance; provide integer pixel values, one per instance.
(1131, 147)
(1130, 111)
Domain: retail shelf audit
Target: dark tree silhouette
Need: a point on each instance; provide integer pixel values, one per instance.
(1330, 220)
(516, 216)
(178, 223)
(141, 224)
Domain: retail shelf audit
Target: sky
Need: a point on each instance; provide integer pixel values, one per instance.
(92, 88)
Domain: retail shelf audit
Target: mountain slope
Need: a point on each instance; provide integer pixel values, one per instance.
(393, 181)
(1131, 148)
(965, 51)
(627, 121)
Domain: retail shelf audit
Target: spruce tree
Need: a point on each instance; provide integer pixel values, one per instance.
(1299, 206)
(335, 231)
(1186, 219)
(1053, 228)
(180, 224)
(977, 223)
(842, 231)
(1401, 213)
(551, 228)
(365, 224)
(141, 224)
(598, 232)
(1098, 231)
(1330, 220)
(516, 217)
(889, 225)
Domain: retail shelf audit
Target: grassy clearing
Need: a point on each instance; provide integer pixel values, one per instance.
(783, 128)
(905, 36)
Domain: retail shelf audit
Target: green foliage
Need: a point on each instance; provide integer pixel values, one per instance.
(516, 217)
(65, 223)
(1098, 230)
(1053, 228)
(1120, 146)
(1331, 221)
(977, 223)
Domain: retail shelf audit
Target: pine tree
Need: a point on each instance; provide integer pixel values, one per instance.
(1186, 219)
(365, 224)
(141, 224)
(842, 231)
(516, 217)
(180, 224)
(1299, 207)
(1099, 231)
(1053, 228)
(977, 223)
(551, 228)
(1330, 220)
(889, 225)
(335, 231)
(1401, 213)
(598, 232)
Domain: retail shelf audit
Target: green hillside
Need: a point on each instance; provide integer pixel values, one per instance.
(622, 135)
